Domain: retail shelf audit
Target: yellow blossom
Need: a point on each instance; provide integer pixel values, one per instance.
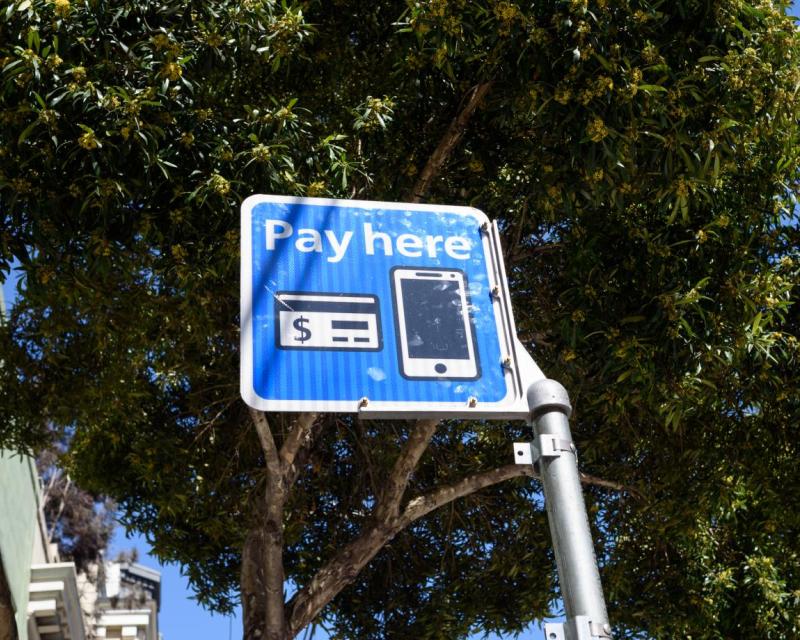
(179, 253)
(88, 140)
(160, 41)
(78, 74)
(219, 185)
(21, 185)
(106, 187)
(650, 53)
(111, 102)
(316, 188)
(171, 71)
(62, 8)
(438, 7)
(214, 40)
(596, 129)
(603, 83)
(53, 61)
(595, 176)
(506, 12)
(420, 27)
(562, 94)
(261, 153)
(48, 117)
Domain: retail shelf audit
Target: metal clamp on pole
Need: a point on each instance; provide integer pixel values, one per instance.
(551, 447)
(579, 628)
(578, 574)
(543, 446)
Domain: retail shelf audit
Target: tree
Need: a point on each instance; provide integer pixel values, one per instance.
(641, 158)
(81, 524)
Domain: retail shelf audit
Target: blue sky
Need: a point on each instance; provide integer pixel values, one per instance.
(180, 616)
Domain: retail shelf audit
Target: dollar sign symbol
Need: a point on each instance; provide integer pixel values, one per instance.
(305, 333)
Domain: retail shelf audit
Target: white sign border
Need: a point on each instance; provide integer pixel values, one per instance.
(513, 405)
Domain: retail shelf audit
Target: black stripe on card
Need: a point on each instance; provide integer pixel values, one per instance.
(349, 324)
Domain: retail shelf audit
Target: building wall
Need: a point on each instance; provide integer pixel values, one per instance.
(19, 505)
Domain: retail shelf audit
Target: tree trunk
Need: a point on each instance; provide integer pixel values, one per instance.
(272, 561)
(261, 578)
(253, 587)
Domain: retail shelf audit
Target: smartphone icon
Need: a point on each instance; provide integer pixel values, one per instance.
(435, 335)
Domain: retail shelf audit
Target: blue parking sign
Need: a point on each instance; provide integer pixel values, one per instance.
(382, 309)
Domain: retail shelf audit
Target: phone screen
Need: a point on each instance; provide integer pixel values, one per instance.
(435, 322)
(434, 328)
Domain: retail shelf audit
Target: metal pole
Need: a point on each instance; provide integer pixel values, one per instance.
(578, 574)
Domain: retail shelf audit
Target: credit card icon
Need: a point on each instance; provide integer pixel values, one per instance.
(327, 321)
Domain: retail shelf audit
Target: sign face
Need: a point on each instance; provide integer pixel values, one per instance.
(385, 309)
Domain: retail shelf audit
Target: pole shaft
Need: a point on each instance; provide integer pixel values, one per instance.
(578, 573)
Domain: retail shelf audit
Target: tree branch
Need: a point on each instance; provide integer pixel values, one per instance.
(388, 506)
(610, 484)
(300, 438)
(267, 445)
(348, 562)
(62, 503)
(336, 575)
(449, 141)
(423, 505)
(269, 539)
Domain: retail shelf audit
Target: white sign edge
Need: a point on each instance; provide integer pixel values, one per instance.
(509, 406)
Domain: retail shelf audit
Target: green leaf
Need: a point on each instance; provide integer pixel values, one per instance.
(652, 87)
(756, 324)
(27, 132)
(40, 100)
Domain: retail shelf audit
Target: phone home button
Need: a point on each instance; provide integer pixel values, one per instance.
(440, 367)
